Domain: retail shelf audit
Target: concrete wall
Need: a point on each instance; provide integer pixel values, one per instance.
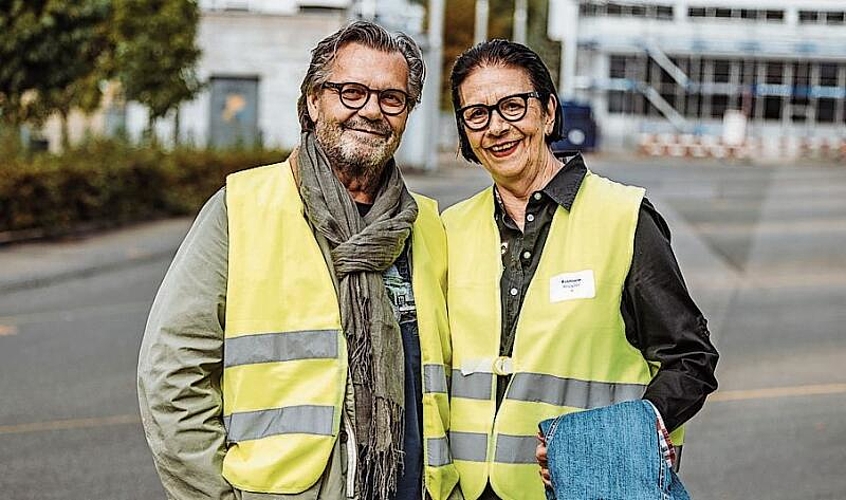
(274, 48)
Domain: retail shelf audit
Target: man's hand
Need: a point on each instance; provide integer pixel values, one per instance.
(540, 455)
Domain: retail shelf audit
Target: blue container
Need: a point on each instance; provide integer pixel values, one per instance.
(579, 131)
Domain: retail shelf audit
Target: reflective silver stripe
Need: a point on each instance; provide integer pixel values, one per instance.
(468, 446)
(575, 393)
(284, 346)
(515, 449)
(473, 386)
(437, 452)
(434, 378)
(308, 419)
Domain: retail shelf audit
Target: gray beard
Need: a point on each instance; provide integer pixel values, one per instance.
(348, 162)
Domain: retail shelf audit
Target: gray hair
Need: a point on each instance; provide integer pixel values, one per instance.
(370, 35)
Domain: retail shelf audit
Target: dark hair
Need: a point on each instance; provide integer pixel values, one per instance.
(370, 35)
(503, 53)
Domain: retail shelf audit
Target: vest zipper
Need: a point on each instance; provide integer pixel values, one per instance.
(352, 457)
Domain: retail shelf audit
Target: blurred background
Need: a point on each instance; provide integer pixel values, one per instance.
(119, 118)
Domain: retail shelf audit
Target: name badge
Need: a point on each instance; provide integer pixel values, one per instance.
(569, 286)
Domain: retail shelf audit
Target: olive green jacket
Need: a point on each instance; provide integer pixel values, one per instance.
(180, 367)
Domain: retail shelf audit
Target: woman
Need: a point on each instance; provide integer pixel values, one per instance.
(564, 293)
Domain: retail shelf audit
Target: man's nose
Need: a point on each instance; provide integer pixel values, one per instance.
(371, 109)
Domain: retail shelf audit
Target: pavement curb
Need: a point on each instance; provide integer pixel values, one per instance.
(31, 282)
(38, 264)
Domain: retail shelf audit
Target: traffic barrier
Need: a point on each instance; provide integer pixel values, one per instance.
(709, 146)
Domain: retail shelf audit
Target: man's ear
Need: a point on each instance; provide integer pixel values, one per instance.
(311, 102)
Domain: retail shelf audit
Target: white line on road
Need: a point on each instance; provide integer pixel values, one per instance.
(778, 392)
(78, 423)
(88, 311)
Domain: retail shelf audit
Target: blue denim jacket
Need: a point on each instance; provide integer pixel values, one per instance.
(609, 453)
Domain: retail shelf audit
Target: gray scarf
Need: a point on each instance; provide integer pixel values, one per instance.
(362, 248)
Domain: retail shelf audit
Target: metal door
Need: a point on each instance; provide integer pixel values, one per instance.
(234, 111)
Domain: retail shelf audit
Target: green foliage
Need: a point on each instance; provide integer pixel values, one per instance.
(56, 54)
(156, 52)
(53, 55)
(106, 183)
(549, 50)
(460, 18)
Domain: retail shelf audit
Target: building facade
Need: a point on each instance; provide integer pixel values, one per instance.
(767, 75)
(254, 56)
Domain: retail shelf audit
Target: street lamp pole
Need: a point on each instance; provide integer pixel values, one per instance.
(432, 90)
(480, 33)
(521, 18)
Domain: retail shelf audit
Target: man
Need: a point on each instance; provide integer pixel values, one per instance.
(298, 345)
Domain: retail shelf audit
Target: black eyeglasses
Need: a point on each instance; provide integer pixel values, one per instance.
(512, 108)
(355, 96)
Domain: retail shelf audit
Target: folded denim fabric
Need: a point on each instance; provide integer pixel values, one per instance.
(609, 453)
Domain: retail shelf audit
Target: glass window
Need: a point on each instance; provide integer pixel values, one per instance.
(825, 110)
(799, 109)
(617, 67)
(835, 17)
(665, 12)
(722, 70)
(620, 101)
(748, 71)
(807, 16)
(775, 72)
(615, 9)
(638, 10)
(775, 15)
(772, 108)
(723, 12)
(696, 12)
(801, 74)
(693, 105)
(719, 104)
(828, 74)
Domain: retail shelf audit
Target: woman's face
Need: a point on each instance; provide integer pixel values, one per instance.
(509, 150)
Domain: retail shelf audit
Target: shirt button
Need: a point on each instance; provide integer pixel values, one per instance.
(526, 255)
(536, 196)
(530, 217)
(513, 292)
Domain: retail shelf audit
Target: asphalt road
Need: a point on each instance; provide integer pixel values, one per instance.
(762, 249)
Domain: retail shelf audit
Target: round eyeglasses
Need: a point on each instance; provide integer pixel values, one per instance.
(511, 108)
(355, 96)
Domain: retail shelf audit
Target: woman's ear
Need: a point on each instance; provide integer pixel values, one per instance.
(551, 108)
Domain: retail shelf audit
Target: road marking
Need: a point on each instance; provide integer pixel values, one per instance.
(778, 392)
(78, 423)
(8, 330)
(97, 310)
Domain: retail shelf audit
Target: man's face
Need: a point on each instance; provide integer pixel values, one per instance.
(360, 142)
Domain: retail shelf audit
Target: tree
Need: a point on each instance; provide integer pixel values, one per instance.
(156, 53)
(54, 54)
(459, 21)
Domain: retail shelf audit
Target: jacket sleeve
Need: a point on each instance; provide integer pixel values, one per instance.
(663, 321)
(181, 362)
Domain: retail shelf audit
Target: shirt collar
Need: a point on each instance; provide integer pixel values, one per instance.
(563, 186)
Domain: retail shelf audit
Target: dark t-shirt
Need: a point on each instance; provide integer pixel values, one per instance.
(398, 286)
(399, 290)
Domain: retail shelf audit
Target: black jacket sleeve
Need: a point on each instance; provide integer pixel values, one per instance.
(664, 323)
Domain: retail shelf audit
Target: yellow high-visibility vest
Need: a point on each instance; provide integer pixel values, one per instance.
(285, 355)
(570, 350)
